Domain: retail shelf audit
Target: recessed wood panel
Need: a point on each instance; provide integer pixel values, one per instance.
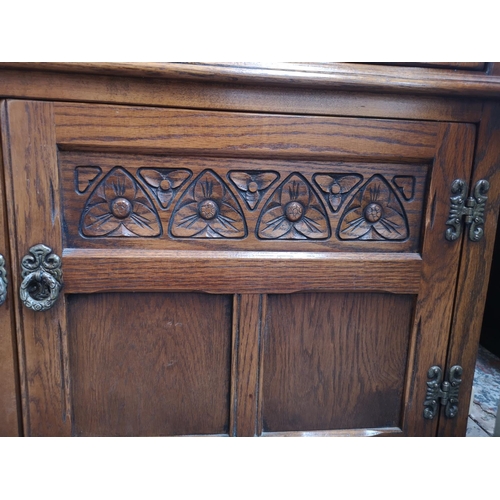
(188, 203)
(335, 361)
(150, 364)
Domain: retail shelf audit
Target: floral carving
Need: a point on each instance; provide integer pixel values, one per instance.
(294, 211)
(208, 209)
(375, 213)
(119, 206)
(164, 183)
(252, 185)
(336, 187)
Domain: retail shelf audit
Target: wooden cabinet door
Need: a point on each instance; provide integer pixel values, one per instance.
(9, 404)
(233, 273)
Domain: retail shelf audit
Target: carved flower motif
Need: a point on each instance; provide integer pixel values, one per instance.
(119, 207)
(375, 213)
(294, 212)
(164, 183)
(252, 185)
(208, 209)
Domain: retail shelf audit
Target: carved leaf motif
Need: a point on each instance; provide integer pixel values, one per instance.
(119, 206)
(84, 177)
(375, 213)
(405, 185)
(164, 183)
(252, 185)
(293, 211)
(336, 188)
(208, 209)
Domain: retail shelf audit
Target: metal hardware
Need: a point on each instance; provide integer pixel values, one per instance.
(3, 280)
(471, 209)
(446, 392)
(42, 273)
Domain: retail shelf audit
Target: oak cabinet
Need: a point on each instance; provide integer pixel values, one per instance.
(240, 273)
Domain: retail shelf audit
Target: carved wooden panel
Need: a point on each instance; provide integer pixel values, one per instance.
(175, 202)
(119, 206)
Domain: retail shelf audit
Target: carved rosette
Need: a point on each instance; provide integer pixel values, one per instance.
(336, 188)
(375, 213)
(295, 212)
(164, 183)
(208, 209)
(252, 186)
(119, 206)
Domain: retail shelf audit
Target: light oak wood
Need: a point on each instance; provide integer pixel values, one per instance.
(32, 175)
(239, 272)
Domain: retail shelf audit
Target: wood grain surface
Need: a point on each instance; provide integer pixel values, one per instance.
(434, 308)
(249, 312)
(150, 364)
(334, 361)
(40, 85)
(34, 210)
(239, 272)
(156, 130)
(10, 403)
(475, 271)
(331, 75)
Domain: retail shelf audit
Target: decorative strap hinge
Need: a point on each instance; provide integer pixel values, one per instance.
(445, 393)
(467, 210)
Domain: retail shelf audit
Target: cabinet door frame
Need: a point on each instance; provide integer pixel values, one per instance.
(37, 217)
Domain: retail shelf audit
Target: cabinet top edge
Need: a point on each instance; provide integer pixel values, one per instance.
(341, 76)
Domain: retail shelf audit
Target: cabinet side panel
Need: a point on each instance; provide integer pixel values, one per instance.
(150, 364)
(335, 361)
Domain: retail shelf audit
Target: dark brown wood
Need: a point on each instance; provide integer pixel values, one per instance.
(331, 75)
(239, 272)
(335, 361)
(10, 407)
(150, 364)
(32, 174)
(440, 258)
(475, 271)
(39, 85)
(247, 332)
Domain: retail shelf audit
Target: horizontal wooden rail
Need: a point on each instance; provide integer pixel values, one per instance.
(90, 271)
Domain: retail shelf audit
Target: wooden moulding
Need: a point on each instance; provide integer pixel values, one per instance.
(359, 77)
(46, 85)
(152, 130)
(235, 272)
